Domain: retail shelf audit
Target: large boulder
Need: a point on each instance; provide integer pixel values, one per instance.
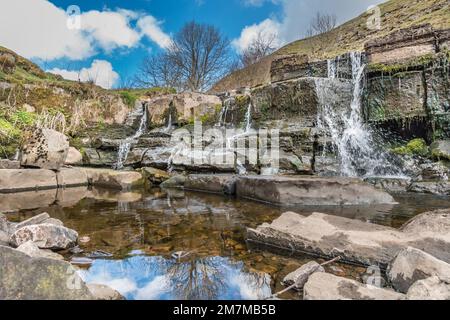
(28, 278)
(44, 149)
(74, 157)
(46, 236)
(412, 265)
(37, 219)
(112, 179)
(306, 190)
(325, 286)
(440, 149)
(432, 288)
(17, 180)
(220, 183)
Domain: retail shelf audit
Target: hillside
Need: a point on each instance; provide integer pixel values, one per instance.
(350, 36)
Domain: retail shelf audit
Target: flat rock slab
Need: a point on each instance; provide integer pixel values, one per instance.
(17, 180)
(310, 191)
(71, 177)
(112, 179)
(354, 241)
(220, 183)
(325, 286)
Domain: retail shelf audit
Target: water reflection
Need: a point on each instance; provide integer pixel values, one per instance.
(158, 278)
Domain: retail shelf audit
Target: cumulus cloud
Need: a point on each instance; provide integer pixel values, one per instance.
(39, 29)
(100, 72)
(268, 28)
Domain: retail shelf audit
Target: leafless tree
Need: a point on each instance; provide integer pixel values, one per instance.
(158, 71)
(321, 23)
(261, 46)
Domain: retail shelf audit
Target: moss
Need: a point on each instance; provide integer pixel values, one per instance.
(414, 147)
(129, 98)
(402, 67)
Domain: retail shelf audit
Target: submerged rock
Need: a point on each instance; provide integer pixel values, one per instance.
(412, 265)
(45, 149)
(432, 288)
(300, 276)
(223, 184)
(46, 236)
(325, 286)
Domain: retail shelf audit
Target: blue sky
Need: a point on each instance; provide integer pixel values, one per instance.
(115, 35)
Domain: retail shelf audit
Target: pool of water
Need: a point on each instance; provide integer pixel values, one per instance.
(171, 244)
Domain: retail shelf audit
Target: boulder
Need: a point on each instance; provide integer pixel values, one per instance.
(306, 190)
(354, 241)
(440, 149)
(219, 183)
(38, 219)
(17, 180)
(325, 286)
(177, 181)
(155, 176)
(74, 157)
(432, 288)
(9, 164)
(431, 187)
(300, 276)
(30, 248)
(71, 177)
(46, 236)
(112, 179)
(28, 278)
(44, 149)
(102, 292)
(101, 158)
(412, 265)
(27, 200)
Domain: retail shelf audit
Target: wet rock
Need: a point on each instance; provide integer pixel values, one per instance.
(156, 157)
(304, 190)
(101, 158)
(4, 238)
(44, 149)
(119, 180)
(27, 200)
(9, 164)
(46, 236)
(430, 187)
(28, 278)
(102, 292)
(435, 171)
(204, 161)
(412, 265)
(324, 286)
(81, 261)
(55, 222)
(74, 157)
(38, 219)
(155, 176)
(174, 182)
(432, 288)
(71, 177)
(288, 162)
(389, 184)
(326, 166)
(355, 241)
(300, 276)
(441, 149)
(30, 248)
(18, 180)
(223, 184)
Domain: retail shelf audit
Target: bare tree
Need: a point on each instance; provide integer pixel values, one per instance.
(261, 46)
(321, 23)
(158, 71)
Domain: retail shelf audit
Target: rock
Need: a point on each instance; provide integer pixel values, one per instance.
(27, 200)
(220, 183)
(326, 166)
(44, 149)
(102, 292)
(300, 276)
(305, 190)
(440, 149)
(46, 236)
(325, 286)
(7, 62)
(174, 182)
(112, 179)
(432, 187)
(355, 241)
(4, 224)
(389, 184)
(435, 171)
(155, 176)
(4, 238)
(74, 157)
(55, 222)
(9, 164)
(28, 278)
(18, 180)
(432, 288)
(71, 177)
(101, 158)
(30, 248)
(38, 219)
(412, 265)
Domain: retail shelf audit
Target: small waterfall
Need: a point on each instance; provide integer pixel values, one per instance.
(223, 115)
(248, 118)
(358, 151)
(169, 124)
(125, 145)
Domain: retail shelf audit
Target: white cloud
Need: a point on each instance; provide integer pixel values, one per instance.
(154, 289)
(100, 71)
(38, 29)
(267, 28)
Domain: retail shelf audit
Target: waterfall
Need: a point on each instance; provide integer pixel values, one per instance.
(223, 115)
(125, 145)
(169, 124)
(358, 151)
(248, 118)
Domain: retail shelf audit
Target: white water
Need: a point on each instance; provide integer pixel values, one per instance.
(169, 124)
(248, 118)
(358, 152)
(125, 145)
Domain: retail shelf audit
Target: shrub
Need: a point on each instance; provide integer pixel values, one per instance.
(414, 147)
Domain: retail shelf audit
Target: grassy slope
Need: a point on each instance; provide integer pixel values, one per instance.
(350, 36)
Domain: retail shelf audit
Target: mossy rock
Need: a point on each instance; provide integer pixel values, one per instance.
(440, 150)
(417, 147)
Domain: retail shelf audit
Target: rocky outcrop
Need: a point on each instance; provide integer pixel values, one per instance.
(119, 180)
(355, 241)
(45, 236)
(430, 187)
(412, 265)
(325, 286)
(304, 190)
(222, 184)
(44, 149)
(432, 288)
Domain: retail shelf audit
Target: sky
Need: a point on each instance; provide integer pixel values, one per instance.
(106, 40)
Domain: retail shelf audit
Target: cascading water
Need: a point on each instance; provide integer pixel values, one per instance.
(125, 145)
(358, 152)
(248, 118)
(169, 124)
